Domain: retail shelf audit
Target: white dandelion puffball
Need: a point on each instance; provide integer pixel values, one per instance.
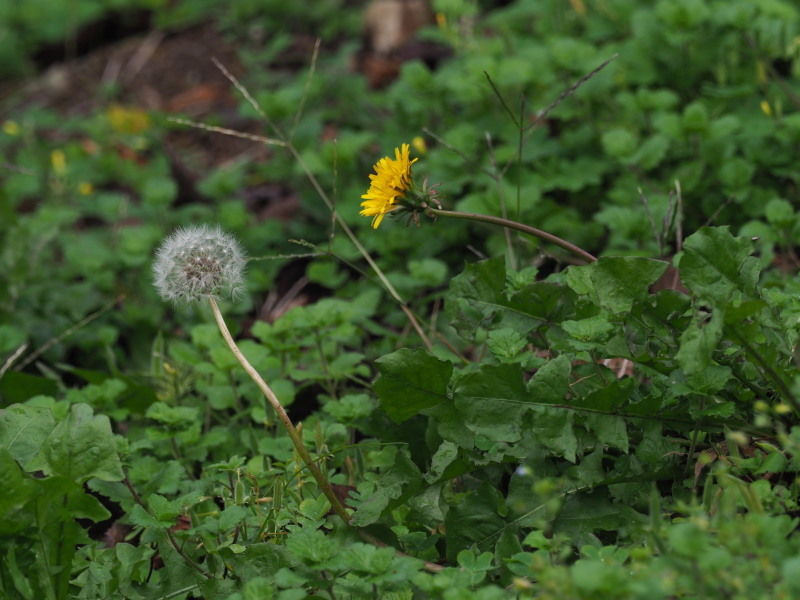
(198, 262)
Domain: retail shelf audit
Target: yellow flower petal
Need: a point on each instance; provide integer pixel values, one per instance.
(391, 180)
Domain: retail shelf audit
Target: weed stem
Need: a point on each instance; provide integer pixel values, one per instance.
(542, 235)
(296, 437)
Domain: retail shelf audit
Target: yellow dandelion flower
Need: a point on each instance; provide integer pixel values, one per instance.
(59, 161)
(11, 128)
(85, 188)
(392, 179)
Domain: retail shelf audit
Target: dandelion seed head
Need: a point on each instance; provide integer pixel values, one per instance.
(198, 262)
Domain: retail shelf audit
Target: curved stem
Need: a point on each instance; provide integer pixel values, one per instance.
(542, 235)
(295, 436)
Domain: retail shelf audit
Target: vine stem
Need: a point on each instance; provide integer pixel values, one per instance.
(509, 224)
(295, 436)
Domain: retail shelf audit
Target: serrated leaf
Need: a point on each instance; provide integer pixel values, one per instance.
(170, 509)
(718, 268)
(368, 559)
(588, 333)
(312, 546)
(616, 282)
(506, 343)
(411, 381)
(139, 517)
(79, 447)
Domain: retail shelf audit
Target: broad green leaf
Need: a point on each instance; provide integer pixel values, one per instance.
(18, 387)
(588, 333)
(16, 488)
(79, 447)
(312, 546)
(492, 400)
(231, 516)
(550, 383)
(366, 558)
(174, 417)
(718, 268)
(608, 398)
(476, 295)
(443, 457)
(698, 342)
(411, 381)
(552, 428)
(477, 298)
(395, 482)
(23, 430)
(616, 282)
(583, 514)
(259, 588)
(139, 517)
(474, 521)
(610, 430)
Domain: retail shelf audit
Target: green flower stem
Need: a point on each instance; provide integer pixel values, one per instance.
(542, 235)
(297, 439)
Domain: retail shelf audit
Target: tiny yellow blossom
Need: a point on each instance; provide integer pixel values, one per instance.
(392, 179)
(59, 161)
(419, 145)
(766, 108)
(85, 188)
(11, 128)
(125, 119)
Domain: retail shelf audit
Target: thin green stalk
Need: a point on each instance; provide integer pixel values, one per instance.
(295, 436)
(542, 235)
(776, 379)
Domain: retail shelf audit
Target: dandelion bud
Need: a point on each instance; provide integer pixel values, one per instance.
(199, 262)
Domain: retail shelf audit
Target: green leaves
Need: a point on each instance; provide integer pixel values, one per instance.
(616, 282)
(79, 447)
(411, 381)
(492, 401)
(718, 268)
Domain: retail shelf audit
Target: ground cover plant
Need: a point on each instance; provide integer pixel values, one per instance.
(528, 331)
